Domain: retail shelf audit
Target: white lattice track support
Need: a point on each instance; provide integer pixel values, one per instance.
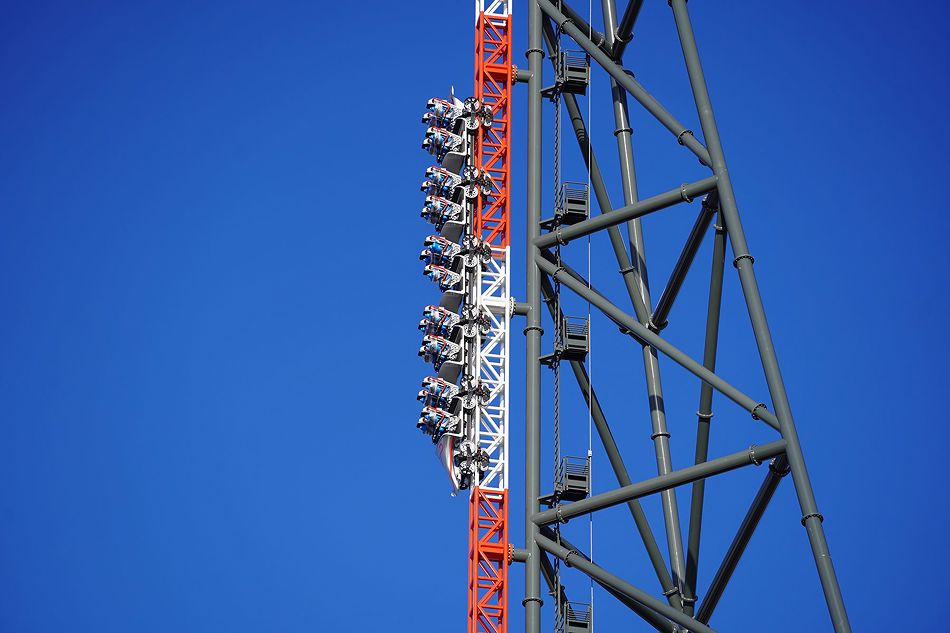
(492, 428)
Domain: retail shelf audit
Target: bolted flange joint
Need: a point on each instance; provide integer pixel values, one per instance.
(783, 471)
(567, 558)
(684, 194)
(735, 262)
(755, 460)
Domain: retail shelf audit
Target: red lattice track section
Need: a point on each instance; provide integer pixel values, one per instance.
(488, 561)
(493, 81)
(488, 512)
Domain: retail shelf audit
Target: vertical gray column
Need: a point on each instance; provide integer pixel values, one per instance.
(811, 518)
(661, 435)
(624, 134)
(616, 461)
(532, 598)
(704, 414)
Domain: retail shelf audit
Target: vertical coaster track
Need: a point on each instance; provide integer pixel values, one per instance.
(466, 335)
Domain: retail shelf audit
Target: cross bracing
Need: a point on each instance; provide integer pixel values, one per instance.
(563, 47)
(642, 319)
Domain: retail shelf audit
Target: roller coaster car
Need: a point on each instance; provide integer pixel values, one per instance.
(437, 350)
(439, 142)
(440, 182)
(438, 211)
(438, 250)
(445, 451)
(443, 276)
(439, 321)
(437, 422)
(441, 113)
(437, 392)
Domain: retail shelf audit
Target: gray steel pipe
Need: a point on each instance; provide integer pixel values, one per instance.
(547, 572)
(631, 85)
(574, 559)
(646, 336)
(595, 36)
(651, 617)
(628, 177)
(532, 597)
(684, 193)
(704, 415)
(597, 183)
(520, 309)
(625, 30)
(811, 518)
(777, 470)
(617, 464)
(640, 298)
(752, 455)
(660, 432)
(684, 262)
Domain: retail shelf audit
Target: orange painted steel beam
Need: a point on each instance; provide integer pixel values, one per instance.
(488, 561)
(493, 83)
(488, 511)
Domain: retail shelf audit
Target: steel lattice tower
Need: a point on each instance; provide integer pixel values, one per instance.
(471, 402)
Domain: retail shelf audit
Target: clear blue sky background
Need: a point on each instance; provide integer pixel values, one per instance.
(208, 237)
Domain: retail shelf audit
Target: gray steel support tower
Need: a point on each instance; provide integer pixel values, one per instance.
(676, 606)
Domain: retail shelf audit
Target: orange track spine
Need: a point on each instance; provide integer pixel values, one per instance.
(488, 561)
(488, 511)
(493, 79)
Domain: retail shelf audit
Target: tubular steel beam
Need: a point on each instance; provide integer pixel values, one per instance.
(573, 559)
(704, 414)
(640, 298)
(532, 597)
(752, 455)
(778, 468)
(683, 193)
(651, 617)
(551, 258)
(635, 281)
(648, 337)
(595, 36)
(547, 571)
(660, 433)
(625, 30)
(617, 464)
(597, 183)
(685, 261)
(624, 134)
(631, 85)
(811, 518)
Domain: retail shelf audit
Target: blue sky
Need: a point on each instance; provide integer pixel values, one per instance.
(209, 233)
